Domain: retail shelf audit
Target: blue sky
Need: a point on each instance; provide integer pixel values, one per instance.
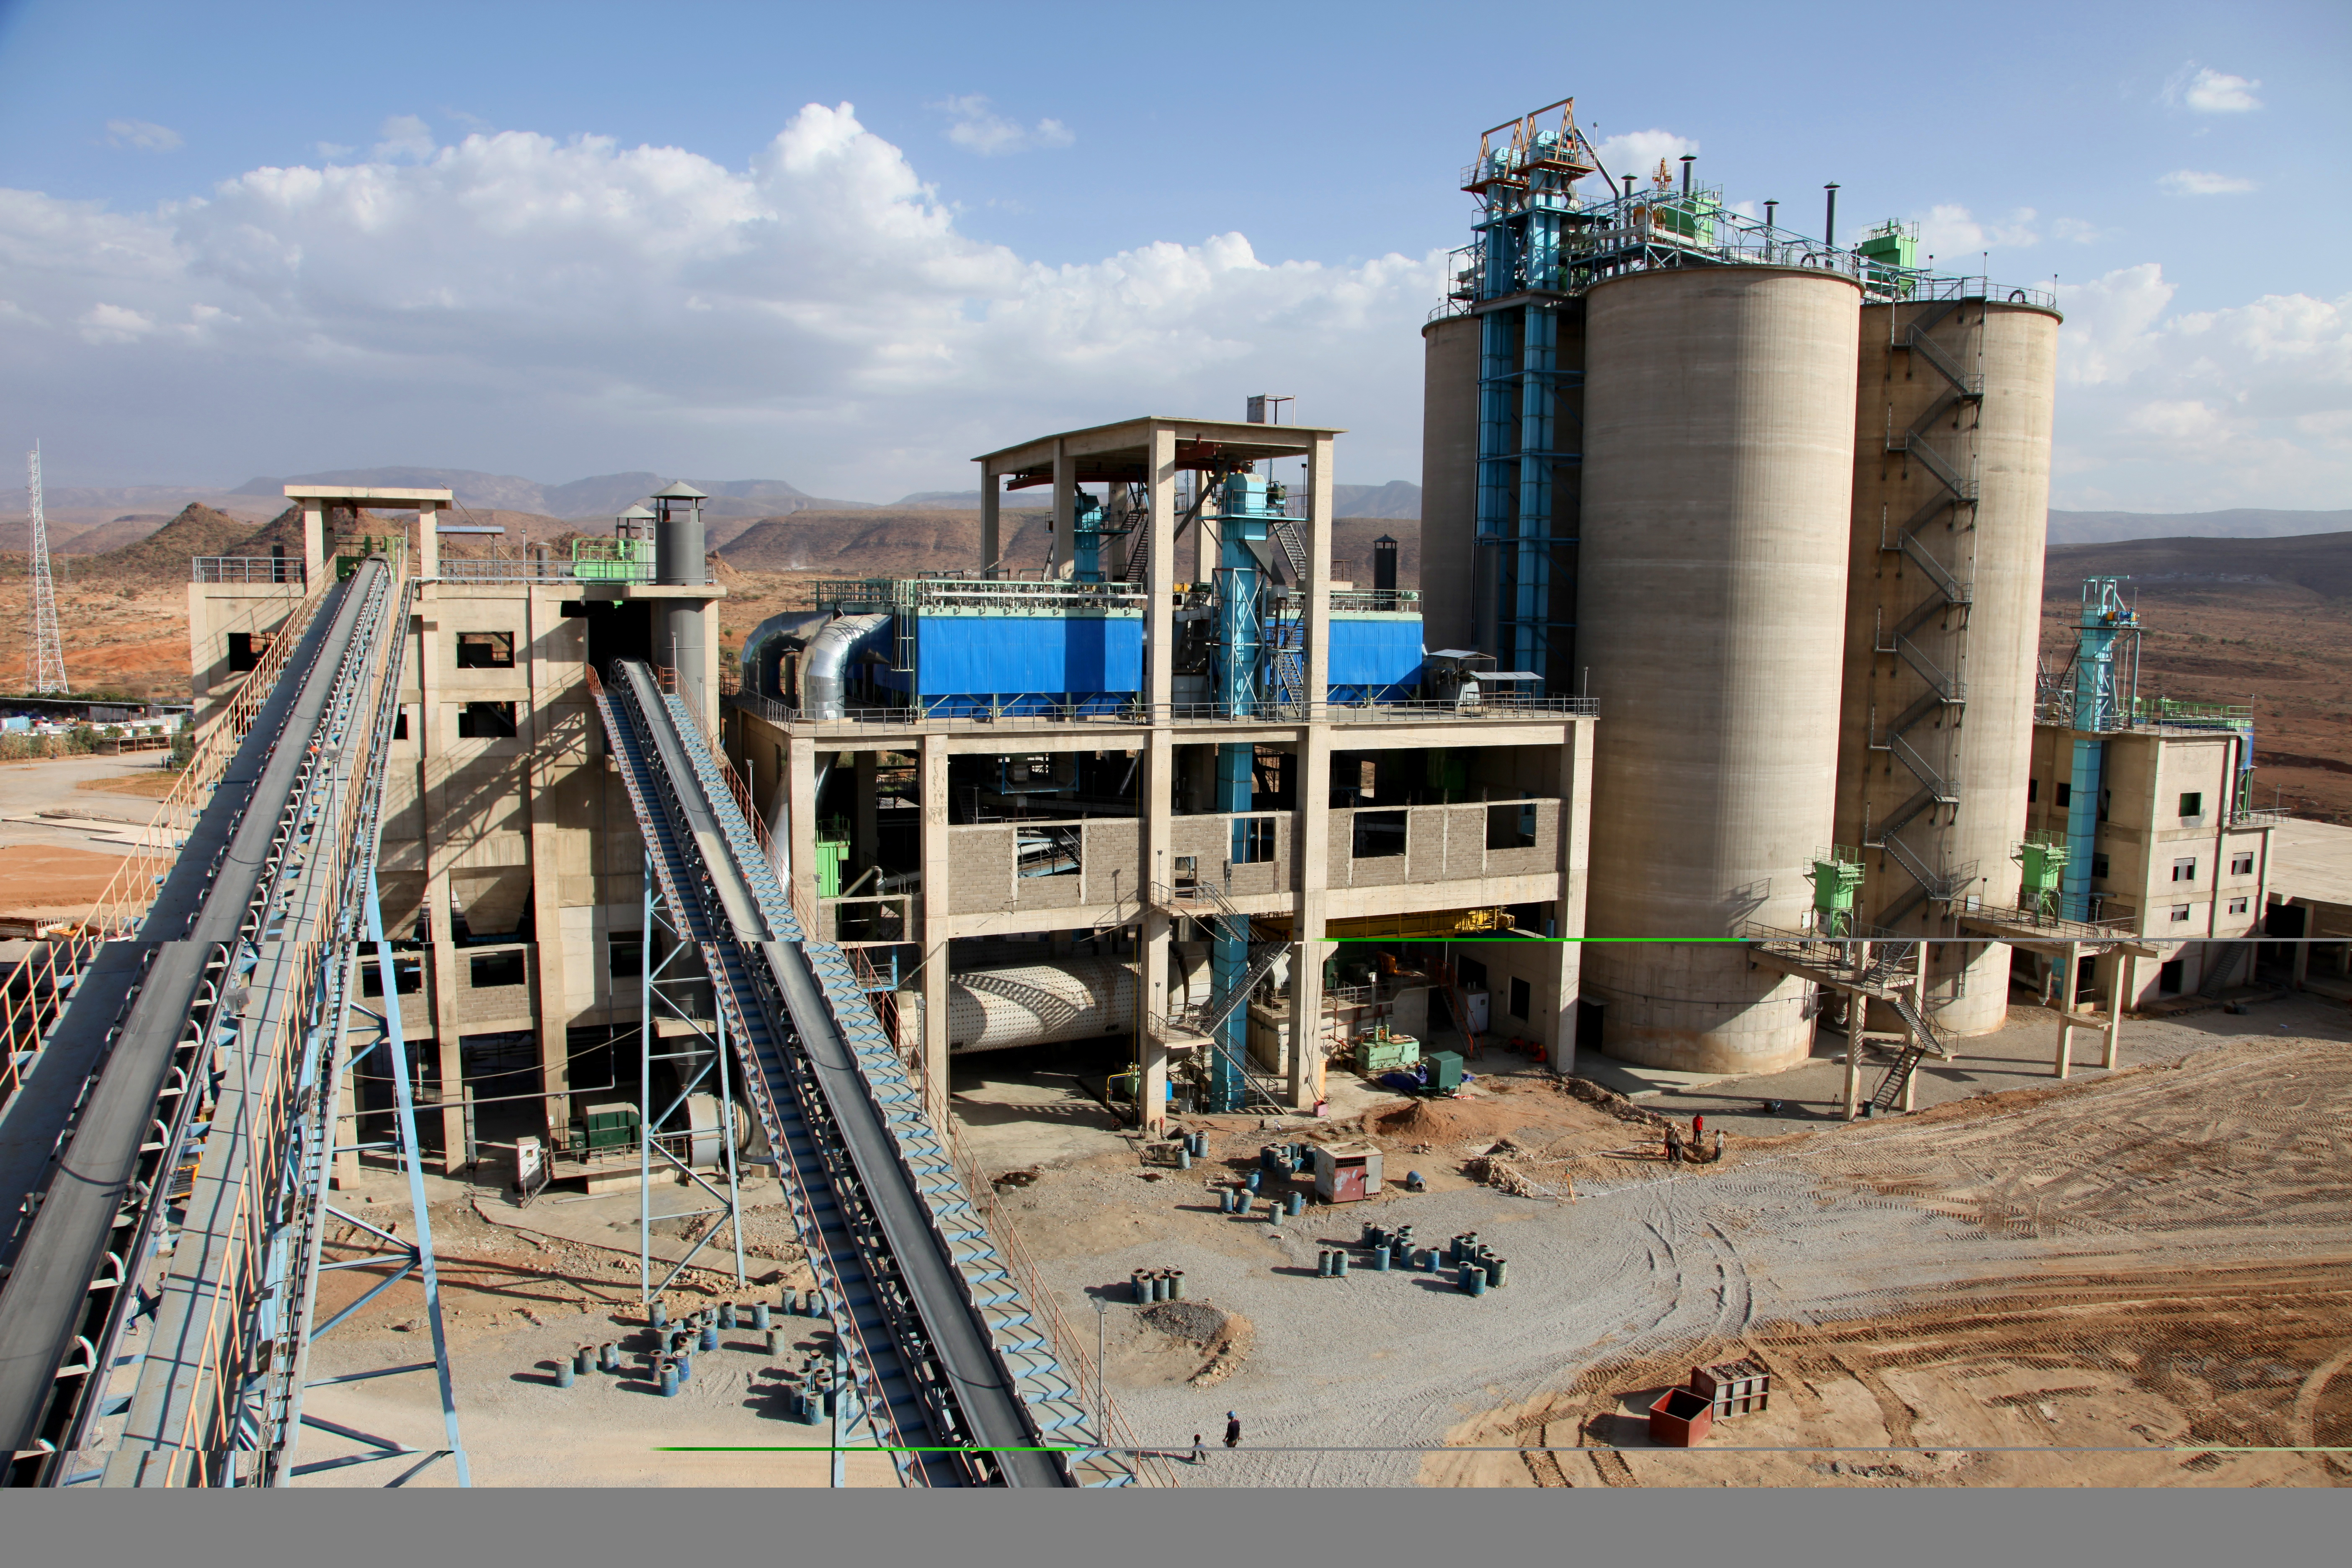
(850, 247)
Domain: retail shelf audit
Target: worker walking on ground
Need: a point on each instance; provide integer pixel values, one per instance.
(1199, 1452)
(1233, 1428)
(1673, 1144)
(1698, 1130)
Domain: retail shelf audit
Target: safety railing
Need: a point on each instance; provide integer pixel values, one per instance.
(43, 980)
(549, 569)
(2044, 922)
(1494, 707)
(279, 571)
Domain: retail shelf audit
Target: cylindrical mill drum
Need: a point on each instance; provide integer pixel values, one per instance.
(1718, 453)
(1950, 517)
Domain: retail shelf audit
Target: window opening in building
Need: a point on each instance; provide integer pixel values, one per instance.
(400, 726)
(2184, 870)
(245, 651)
(2098, 866)
(2192, 803)
(1253, 841)
(407, 975)
(2242, 866)
(491, 970)
(2180, 915)
(486, 650)
(2066, 793)
(628, 956)
(1511, 826)
(486, 722)
(1378, 835)
(1522, 999)
(2032, 791)
(2238, 906)
(2170, 976)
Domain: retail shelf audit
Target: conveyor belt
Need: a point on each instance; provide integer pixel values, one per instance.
(141, 1030)
(932, 1315)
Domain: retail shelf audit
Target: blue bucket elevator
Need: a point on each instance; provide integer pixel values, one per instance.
(2102, 703)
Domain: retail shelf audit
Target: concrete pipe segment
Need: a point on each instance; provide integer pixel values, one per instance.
(1979, 392)
(1718, 469)
(1038, 1003)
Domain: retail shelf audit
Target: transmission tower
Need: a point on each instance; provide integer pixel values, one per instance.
(45, 662)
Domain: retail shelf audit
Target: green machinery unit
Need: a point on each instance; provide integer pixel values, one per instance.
(606, 1129)
(1889, 251)
(2042, 858)
(1444, 1071)
(831, 856)
(613, 560)
(1837, 876)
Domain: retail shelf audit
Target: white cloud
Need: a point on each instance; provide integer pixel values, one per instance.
(2245, 407)
(1639, 153)
(404, 136)
(2078, 231)
(980, 128)
(330, 151)
(142, 136)
(2209, 91)
(2190, 183)
(524, 305)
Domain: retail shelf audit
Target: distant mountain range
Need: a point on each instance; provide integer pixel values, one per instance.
(2112, 527)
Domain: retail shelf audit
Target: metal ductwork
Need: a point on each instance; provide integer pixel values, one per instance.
(825, 666)
(765, 649)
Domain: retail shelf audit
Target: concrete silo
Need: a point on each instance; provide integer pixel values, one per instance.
(1449, 480)
(1951, 495)
(1719, 464)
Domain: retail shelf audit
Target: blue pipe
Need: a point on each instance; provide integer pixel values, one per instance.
(2082, 828)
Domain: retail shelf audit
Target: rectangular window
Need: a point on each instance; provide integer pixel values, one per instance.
(493, 970)
(2192, 803)
(628, 956)
(1522, 1000)
(400, 726)
(2098, 866)
(1253, 840)
(2169, 977)
(2032, 791)
(1511, 826)
(245, 651)
(2242, 864)
(2066, 793)
(2238, 906)
(2184, 870)
(1378, 834)
(486, 650)
(407, 974)
(2180, 915)
(486, 722)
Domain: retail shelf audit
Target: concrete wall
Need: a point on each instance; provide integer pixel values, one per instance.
(1717, 486)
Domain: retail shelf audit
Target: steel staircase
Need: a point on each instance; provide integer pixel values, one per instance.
(1926, 1040)
(1224, 1002)
(2224, 965)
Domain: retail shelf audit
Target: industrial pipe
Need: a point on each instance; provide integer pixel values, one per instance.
(764, 650)
(825, 668)
(1038, 1003)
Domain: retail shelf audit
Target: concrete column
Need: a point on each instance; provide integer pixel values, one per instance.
(2066, 1008)
(2126, 967)
(1575, 791)
(799, 823)
(1318, 617)
(865, 849)
(1314, 839)
(1159, 574)
(937, 899)
(1857, 1011)
(542, 772)
(990, 498)
(314, 545)
(1065, 491)
(426, 562)
(2302, 949)
(1156, 872)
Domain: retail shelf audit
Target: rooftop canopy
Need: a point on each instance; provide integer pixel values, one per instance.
(1120, 453)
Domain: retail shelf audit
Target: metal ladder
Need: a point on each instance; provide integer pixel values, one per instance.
(1222, 1005)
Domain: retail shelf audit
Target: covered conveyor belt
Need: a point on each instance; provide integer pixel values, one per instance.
(954, 1364)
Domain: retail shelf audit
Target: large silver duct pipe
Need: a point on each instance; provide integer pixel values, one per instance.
(825, 667)
(764, 650)
(1034, 1005)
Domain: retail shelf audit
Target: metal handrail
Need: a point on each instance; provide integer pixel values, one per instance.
(499, 569)
(276, 570)
(1500, 708)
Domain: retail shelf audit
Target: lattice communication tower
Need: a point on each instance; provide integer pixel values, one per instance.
(45, 660)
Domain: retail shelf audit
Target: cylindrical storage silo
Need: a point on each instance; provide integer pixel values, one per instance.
(1034, 1005)
(1951, 497)
(1718, 455)
(1449, 480)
